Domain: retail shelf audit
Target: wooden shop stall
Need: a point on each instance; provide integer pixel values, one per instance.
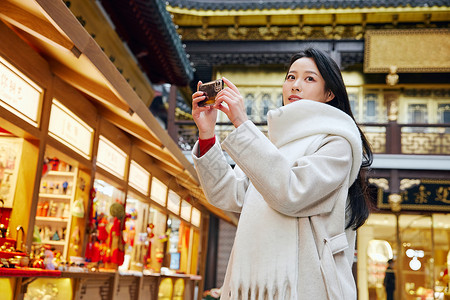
(97, 201)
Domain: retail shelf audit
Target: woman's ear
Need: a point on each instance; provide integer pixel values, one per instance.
(330, 96)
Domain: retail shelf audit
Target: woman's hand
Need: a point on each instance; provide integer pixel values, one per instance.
(204, 117)
(235, 108)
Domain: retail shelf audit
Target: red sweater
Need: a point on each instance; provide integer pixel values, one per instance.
(205, 145)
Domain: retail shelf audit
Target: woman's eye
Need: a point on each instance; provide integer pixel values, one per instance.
(290, 77)
(309, 78)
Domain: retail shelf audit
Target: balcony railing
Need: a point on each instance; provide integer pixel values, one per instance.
(390, 138)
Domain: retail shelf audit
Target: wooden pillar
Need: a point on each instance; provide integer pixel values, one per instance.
(399, 261)
(203, 252)
(171, 127)
(211, 256)
(393, 130)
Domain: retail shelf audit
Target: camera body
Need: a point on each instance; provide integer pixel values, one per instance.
(211, 89)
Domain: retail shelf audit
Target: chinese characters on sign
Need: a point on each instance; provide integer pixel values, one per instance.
(428, 195)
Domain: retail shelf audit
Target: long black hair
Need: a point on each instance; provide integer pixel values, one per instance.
(360, 203)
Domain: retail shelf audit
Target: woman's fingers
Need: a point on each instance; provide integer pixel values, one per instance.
(231, 85)
(224, 109)
(197, 97)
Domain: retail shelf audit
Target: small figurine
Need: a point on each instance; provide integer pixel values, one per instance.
(48, 259)
(392, 77)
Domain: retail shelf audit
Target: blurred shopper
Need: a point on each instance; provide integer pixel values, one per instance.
(300, 192)
(389, 280)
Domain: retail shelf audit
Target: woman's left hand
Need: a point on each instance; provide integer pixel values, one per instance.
(235, 108)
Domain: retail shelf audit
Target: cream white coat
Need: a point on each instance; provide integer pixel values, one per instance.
(291, 191)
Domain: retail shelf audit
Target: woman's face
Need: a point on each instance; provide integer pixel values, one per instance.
(304, 81)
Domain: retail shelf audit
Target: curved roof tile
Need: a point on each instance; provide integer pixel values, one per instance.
(281, 4)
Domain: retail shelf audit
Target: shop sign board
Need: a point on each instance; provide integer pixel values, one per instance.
(173, 202)
(19, 94)
(70, 130)
(196, 217)
(384, 49)
(186, 209)
(158, 192)
(139, 178)
(111, 158)
(431, 195)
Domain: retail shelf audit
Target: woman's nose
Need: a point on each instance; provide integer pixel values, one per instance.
(296, 86)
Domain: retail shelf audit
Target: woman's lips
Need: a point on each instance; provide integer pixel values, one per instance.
(294, 98)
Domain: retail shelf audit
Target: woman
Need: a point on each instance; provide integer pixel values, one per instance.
(299, 192)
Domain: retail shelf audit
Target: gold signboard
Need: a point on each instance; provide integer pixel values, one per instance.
(410, 50)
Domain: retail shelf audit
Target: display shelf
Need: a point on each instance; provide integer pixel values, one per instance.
(60, 173)
(51, 194)
(56, 196)
(55, 243)
(52, 219)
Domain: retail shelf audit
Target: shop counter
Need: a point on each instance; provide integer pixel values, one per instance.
(178, 287)
(14, 282)
(17, 284)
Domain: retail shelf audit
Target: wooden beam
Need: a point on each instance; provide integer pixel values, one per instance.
(62, 19)
(140, 132)
(158, 153)
(91, 88)
(183, 177)
(34, 25)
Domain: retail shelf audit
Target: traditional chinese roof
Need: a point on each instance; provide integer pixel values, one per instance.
(147, 28)
(300, 4)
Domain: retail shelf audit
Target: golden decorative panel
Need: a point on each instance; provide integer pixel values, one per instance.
(410, 50)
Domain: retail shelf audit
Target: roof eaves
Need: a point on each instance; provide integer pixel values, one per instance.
(301, 4)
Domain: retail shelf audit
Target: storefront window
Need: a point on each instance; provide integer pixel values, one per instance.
(106, 242)
(135, 233)
(376, 245)
(173, 225)
(419, 245)
(157, 238)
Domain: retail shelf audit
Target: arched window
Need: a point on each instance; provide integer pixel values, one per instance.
(249, 103)
(266, 105)
(280, 100)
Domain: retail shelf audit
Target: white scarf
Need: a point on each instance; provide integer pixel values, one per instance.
(306, 118)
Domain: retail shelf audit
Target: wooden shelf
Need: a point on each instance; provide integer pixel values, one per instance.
(56, 196)
(60, 173)
(56, 243)
(52, 219)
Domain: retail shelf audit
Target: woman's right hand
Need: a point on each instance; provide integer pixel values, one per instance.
(204, 117)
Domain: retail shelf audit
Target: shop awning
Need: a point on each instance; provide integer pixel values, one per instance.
(73, 55)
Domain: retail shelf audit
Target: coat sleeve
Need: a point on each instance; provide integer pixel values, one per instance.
(308, 187)
(224, 186)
